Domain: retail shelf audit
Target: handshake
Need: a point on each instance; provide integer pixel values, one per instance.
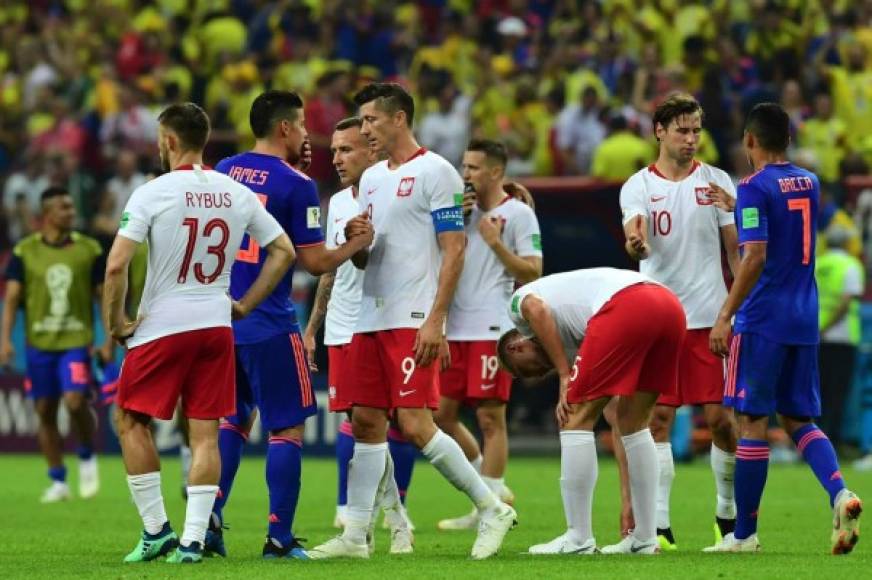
(359, 231)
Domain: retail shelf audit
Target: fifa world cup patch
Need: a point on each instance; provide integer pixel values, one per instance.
(516, 304)
(405, 187)
(750, 217)
(537, 242)
(313, 216)
(125, 219)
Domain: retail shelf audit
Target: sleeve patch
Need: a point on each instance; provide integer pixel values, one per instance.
(750, 218)
(458, 199)
(516, 304)
(125, 219)
(313, 217)
(537, 242)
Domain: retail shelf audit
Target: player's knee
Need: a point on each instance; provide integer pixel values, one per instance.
(417, 428)
(723, 428)
(74, 402)
(365, 429)
(491, 420)
(661, 423)
(47, 411)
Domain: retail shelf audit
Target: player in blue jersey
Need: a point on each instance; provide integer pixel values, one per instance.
(773, 364)
(272, 373)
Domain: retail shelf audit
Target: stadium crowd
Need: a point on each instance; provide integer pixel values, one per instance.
(568, 84)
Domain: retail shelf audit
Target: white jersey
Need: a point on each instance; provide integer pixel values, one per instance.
(194, 221)
(344, 301)
(684, 230)
(406, 206)
(478, 311)
(574, 298)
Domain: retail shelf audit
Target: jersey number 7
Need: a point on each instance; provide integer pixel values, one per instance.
(803, 205)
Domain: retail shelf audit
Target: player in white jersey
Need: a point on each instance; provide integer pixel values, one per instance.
(609, 334)
(503, 247)
(676, 232)
(337, 301)
(413, 199)
(181, 343)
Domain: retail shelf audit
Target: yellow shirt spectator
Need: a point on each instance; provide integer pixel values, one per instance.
(621, 155)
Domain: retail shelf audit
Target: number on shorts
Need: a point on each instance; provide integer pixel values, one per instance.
(408, 368)
(574, 373)
(489, 367)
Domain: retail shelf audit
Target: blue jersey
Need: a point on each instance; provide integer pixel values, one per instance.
(292, 198)
(778, 205)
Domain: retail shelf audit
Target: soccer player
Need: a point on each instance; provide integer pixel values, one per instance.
(503, 247)
(608, 333)
(56, 273)
(413, 199)
(272, 374)
(676, 233)
(773, 356)
(181, 343)
(337, 301)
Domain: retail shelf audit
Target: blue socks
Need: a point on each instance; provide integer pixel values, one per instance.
(403, 454)
(284, 460)
(344, 452)
(58, 474)
(818, 452)
(85, 452)
(752, 465)
(231, 441)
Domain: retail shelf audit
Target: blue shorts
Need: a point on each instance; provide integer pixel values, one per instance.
(50, 374)
(274, 376)
(765, 377)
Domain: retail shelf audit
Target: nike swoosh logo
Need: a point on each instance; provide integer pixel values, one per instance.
(656, 198)
(404, 393)
(371, 191)
(635, 549)
(337, 220)
(487, 387)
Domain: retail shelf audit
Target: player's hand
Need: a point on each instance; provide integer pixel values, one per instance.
(238, 310)
(362, 232)
(428, 341)
(444, 356)
(719, 337)
(720, 197)
(628, 522)
(7, 354)
(305, 159)
(469, 200)
(106, 353)
(121, 332)
(636, 240)
(490, 228)
(563, 409)
(309, 347)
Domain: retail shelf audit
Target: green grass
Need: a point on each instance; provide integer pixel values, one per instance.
(89, 538)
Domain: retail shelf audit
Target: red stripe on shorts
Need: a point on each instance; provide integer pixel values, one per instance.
(306, 396)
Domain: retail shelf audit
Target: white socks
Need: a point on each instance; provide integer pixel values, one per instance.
(447, 457)
(365, 471)
(664, 483)
(201, 498)
(145, 490)
(388, 492)
(495, 484)
(643, 466)
(578, 475)
(476, 463)
(724, 466)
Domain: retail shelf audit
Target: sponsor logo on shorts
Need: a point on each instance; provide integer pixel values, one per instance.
(493, 328)
(407, 393)
(488, 387)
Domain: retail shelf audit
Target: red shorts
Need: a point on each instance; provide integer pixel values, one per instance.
(336, 357)
(197, 365)
(475, 373)
(700, 373)
(632, 344)
(380, 372)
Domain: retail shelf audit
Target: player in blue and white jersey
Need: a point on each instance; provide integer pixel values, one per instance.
(773, 356)
(271, 369)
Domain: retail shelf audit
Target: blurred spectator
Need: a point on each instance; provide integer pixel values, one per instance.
(826, 136)
(579, 131)
(118, 189)
(22, 191)
(622, 153)
(133, 127)
(445, 130)
(840, 281)
(326, 107)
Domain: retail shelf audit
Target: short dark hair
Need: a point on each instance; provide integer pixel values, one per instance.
(348, 123)
(270, 108)
(492, 149)
(389, 97)
(52, 192)
(189, 122)
(503, 349)
(770, 125)
(675, 105)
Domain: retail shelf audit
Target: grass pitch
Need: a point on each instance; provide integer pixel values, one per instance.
(89, 538)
